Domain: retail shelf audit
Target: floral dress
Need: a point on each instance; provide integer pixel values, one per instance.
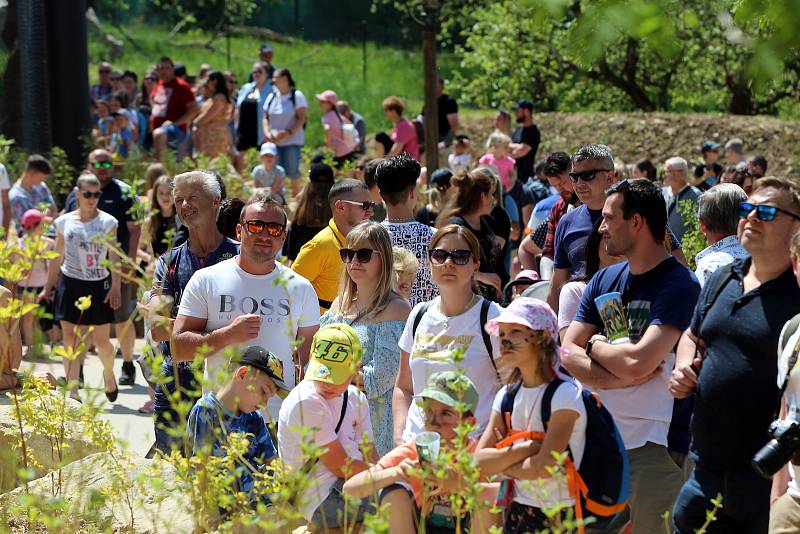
(380, 363)
(214, 138)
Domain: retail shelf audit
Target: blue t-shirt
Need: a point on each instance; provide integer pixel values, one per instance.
(117, 199)
(664, 295)
(570, 239)
(210, 423)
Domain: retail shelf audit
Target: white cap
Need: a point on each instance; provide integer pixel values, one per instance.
(269, 148)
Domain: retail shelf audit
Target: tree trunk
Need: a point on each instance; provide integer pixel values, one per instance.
(430, 76)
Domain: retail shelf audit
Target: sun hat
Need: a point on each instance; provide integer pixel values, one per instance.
(335, 354)
(265, 361)
(269, 148)
(450, 388)
(327, 96)
(526, 311)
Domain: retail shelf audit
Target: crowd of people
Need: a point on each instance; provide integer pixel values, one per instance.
(506, 291)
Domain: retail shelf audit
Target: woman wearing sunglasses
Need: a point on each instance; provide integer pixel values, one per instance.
(367, 302)
(82, 238)
(470, 207)
(446, 334)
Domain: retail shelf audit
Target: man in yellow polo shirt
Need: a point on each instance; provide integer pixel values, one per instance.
(318, 261)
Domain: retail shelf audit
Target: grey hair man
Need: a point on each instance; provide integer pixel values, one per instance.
(197, 197)
(718, 213)
(677, 190)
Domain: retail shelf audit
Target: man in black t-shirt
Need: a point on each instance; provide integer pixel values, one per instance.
(118, 199)
(737, 324)
(525, 141)
(707, 174)
(448, 114)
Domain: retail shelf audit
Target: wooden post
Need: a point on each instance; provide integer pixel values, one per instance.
(430, 75)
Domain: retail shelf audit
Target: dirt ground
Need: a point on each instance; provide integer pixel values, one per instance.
(658, 136)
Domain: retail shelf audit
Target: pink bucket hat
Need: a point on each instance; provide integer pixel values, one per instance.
(327, 96)
(526, 311)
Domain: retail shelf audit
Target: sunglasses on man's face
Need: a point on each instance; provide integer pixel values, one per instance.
(586, 176)
(257, 227)
(366, 205)
(89, 194)
(150, 79)
(439, 256)
(104, 71)
(102, 164)
(363, 255)
(764, 212)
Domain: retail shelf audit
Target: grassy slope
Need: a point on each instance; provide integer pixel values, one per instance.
(315, 66)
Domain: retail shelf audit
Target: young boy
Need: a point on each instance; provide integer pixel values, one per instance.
(269, 174)
(235, 408)
(405, 267)
(336, 416)
(398, 471)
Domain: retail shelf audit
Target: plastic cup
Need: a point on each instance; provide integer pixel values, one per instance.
(612, 313)
(428, 446)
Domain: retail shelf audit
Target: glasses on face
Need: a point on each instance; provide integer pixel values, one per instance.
(257, 227)
(150, 78)
(365, 205)
(89, 194)
(232, 80)
(363, 255)
(439, 256)
(257, 72)
(586, 176)
(764, 212)
(116, 78)
(102, 164)
(104, 71)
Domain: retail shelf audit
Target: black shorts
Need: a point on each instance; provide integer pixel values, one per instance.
(70, 290)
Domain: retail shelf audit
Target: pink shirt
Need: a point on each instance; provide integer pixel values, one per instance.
(405, 133)
(504, 166)
(38, 275)
(338, 145)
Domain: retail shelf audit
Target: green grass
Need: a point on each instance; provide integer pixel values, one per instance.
(315, 66)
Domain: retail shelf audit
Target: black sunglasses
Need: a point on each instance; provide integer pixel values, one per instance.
(366, 205)
(625, 186)
(363, 255)
(439, 255)
(150, 78)
(89, 194)
(257, 227)
(102, 164)
(764, 212)
(586, 176)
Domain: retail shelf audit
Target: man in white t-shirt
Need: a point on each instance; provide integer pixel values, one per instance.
(326, 410)
(249, 299)
(5, 205)
(397, 180)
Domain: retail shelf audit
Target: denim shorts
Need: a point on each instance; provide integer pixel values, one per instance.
(289, 159)
(330, 514)
(175, 135)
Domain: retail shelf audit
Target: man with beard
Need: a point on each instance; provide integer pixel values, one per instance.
(524, 145)
(249, 299)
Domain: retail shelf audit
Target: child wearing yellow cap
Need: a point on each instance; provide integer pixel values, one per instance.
(337, 415)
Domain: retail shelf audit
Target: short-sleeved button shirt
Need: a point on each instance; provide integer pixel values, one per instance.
(736, 390)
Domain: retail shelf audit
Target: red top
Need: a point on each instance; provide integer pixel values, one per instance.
(404, 132)
(169, 101)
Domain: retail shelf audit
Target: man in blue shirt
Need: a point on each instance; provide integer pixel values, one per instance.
(592, 173)
(197, 196)
(235, 409)
(656, 298)
(736, 325)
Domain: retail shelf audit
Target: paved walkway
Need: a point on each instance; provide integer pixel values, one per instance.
(134, 430)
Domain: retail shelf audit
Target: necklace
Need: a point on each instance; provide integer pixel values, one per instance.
(467, 307)
(403, 220)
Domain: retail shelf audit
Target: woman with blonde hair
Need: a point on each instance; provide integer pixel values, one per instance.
(367, 302)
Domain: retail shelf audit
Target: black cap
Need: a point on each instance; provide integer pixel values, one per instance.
(320, 172)
(524, 103)
(440, 178)
(265, 361)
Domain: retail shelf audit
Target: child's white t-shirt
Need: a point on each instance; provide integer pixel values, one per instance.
(304, 408)
(527, 415)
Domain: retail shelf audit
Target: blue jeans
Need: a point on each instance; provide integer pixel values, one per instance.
(330, 514)
(289, 159)
(745, 501)
(166, 418)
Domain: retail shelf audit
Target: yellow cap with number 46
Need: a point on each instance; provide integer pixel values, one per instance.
(335, 354)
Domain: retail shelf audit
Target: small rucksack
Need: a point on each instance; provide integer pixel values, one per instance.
(601, 485)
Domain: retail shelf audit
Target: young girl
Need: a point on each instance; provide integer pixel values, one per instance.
(405, 270)
(34, 224)
(497, 157)
(529, 351)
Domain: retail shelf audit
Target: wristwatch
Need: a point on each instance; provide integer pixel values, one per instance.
(589, 346)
